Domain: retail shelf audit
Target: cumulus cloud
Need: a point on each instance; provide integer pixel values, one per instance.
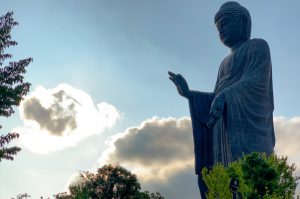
(288, 139)
(160, 152)
(157, 148)
(57, 118)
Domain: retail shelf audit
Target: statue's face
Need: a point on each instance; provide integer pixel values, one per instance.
(230, 29)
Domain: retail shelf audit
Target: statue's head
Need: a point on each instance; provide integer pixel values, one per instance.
(234, 23)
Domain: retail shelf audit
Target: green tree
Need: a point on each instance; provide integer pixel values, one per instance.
(259, 176)
(23, 196)
(217, 181)
(110, 182)
(147, 195)
(12, 85)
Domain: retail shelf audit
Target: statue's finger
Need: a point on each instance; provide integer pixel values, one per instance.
(210, 114)
(171, 74)
(211, 123)
(213, 115)
(216, 113)
(173, 80)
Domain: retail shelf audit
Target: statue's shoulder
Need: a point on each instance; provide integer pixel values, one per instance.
(259, 43)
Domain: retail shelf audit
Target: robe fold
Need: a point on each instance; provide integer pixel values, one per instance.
(203, 144)
(245, 78)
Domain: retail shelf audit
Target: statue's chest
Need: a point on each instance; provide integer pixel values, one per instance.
(226, 67)
(232, 64)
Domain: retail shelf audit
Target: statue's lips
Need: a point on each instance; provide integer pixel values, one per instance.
(223, 38)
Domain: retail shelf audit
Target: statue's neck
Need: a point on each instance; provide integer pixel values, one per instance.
(237, 45)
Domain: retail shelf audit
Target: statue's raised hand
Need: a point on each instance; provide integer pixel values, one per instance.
(181, 84)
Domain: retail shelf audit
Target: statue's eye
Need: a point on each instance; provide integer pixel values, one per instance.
(219, 25)
(224, 22)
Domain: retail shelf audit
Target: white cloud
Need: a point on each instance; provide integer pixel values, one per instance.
(156, 149)
(288, 139)
(57, 118)
(160, 152)
(75, 179)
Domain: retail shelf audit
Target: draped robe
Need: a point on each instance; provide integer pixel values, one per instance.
(245, 77)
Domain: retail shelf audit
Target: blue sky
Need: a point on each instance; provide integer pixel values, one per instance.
(119, 52)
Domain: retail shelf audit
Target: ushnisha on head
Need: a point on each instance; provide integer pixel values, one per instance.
(233, 22)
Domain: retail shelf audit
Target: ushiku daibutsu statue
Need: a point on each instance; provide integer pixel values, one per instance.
(237, 117)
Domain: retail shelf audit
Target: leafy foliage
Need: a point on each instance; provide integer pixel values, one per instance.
(8, 152)
(259, 176)
(110, 182)
(23, 196)
(217, 180)
(12, 85)
(148, 195)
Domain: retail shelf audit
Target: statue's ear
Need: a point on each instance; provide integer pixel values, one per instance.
(244, 25)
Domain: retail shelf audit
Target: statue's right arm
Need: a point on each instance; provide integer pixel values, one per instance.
(199, 104)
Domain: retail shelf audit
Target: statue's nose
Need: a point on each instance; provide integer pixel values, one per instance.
(222, 31)
(222, 34)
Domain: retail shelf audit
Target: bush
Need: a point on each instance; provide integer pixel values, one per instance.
(259, 177)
